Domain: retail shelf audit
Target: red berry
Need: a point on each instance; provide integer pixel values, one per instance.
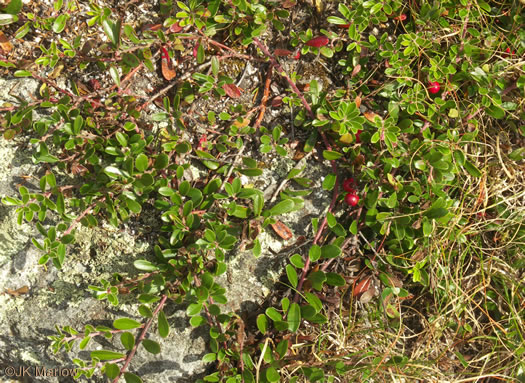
(508, 52)
(434, 87)
(358, 136)
(352, 199)
(348, 185)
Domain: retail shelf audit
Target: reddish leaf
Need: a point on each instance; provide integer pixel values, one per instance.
(175, 28)
(297, 55)
(168, 71)
(276, 101)
(358, 101)
(318, 42)
(282, 52)
(344, 26)
(288, 3)
(282, 230)
(151, 27)
(232, 90)
(196, 49)
(362, 286)
(356, 70)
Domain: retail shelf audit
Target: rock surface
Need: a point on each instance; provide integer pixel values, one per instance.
(34, 299)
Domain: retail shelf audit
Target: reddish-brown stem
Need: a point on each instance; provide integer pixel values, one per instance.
(299, 94)
(140, 338)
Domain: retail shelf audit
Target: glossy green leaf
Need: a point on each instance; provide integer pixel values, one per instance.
(126, 324)
(128, 340)
(262, 323)
(144, 265)
(163, 325)
(107, 355)
(331, 155)
(292, 275)
(131, 378)
(151, 346)
(294, 317)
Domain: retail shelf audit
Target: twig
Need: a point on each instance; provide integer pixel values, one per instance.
(265, 97)
(140, 338)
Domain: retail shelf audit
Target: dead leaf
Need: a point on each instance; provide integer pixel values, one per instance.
(368, 295)
(356, 70)
(17, 292)
(276, 101)
(175, 28)
(288, 4)
(282, 52)
(232, 90)
(370, 116)
(358, 101)
(241, 124)
(362, 286)
(4, 43)
(282, 230)
(168, 71)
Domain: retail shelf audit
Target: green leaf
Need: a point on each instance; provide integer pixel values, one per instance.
(67, 239)
(262, 323)
(115, 76)
(330, 251)
(128, 340)
(21, 73)
(144, 265)
(161, 161)
(131, 378)
(163, 325)
(317, 278)
(126, 324)
(130, 60)
(112, 30)
(141, 162)
(292, 275)
(112, 171)
(331, 155)
(294, 317)
(6, 19)
(13, 8)
(334, 279)
(194, 309)
(122, 139)
(151, 346)
(314, 301)
(111, 370)
(329, 182)
(282, 207)
(436, 213)
(471, 169)
(314, 253)
(134, 206)
(106, 355)
(60, 23)
(272, 375)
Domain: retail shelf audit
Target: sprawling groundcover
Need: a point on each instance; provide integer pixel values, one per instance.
(262, 191)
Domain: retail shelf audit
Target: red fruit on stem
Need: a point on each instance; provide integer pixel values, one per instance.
(508, 52)
(401, 17)
(352, 199)
(297, 55)
(358, 136)
(348, 185)
(318, 42)
(434, 87)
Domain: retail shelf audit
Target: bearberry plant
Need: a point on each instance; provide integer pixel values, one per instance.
(414, 111)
